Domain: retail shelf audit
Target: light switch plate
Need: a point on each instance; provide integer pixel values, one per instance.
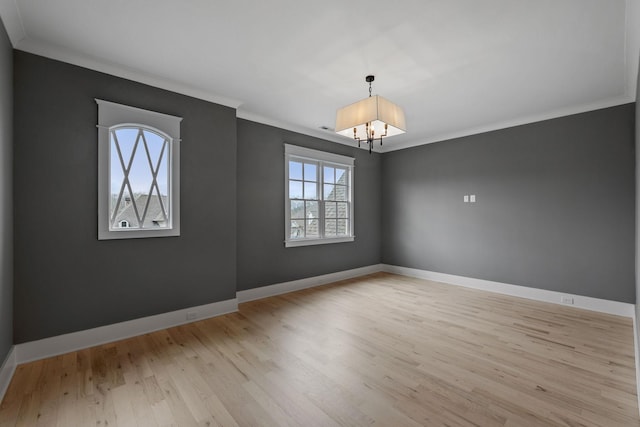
(472, 198)
(466, 198)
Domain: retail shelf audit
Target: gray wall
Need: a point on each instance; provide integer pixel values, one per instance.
(262, 257)
(555, 205)
(637, 129)
(65, 279)
(6, 194)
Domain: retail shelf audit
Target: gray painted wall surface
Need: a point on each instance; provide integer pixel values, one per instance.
(262, 257)
(555, 205)
(6, 194)
(637, 140)
(65, 279)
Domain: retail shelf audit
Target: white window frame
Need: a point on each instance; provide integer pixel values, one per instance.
(293, 152)
(111, 115)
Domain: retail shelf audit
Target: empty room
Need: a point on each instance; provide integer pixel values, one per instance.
(340, 213)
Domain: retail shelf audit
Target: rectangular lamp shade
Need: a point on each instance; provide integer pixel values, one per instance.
(375, 110)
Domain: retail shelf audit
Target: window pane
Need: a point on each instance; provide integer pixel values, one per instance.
(312, 210)
(329, 192)
(295, 170)
(341, 193)
(297, 209)
(117, 174)
(297, 229)
(295, 190)
(343, 210)
(121, 144)
(140, 175)
(330, 209)
(310, 190)
(329, 175)
(341, 176)
(310, 172)
(154, 144)
(126, 138)
(313, 228)
(163, 174)
(126, 211)
(330, 228)
(158, 153)
(156, 211)
(342, 227)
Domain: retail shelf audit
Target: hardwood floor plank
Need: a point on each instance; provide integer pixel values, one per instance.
(378, 350)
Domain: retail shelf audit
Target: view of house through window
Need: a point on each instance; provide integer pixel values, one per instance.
(139, 178)
(319, 197)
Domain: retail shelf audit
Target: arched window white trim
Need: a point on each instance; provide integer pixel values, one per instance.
(138, 172)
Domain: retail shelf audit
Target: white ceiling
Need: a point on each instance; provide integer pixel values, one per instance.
(456, 66)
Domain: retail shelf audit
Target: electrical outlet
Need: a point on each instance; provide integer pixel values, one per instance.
(472, 198)
(466, 198)
(566, 300)
(191, 315)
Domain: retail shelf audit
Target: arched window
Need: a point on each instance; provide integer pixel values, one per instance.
(138, 173)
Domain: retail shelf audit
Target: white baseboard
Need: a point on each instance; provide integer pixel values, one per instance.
(579, 301)
(53, 346)
(6, 371)
(310, 282)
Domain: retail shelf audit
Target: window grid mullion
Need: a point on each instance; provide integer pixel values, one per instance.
(320, 196)
(304, 209)
(133, 198)
(153, 179)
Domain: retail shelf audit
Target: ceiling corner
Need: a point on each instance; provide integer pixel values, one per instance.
(10, 15)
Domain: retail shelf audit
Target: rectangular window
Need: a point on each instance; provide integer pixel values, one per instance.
(138, 173)
(318, 197)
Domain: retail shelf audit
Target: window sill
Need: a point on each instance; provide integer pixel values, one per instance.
(311, 242)
(138, 234)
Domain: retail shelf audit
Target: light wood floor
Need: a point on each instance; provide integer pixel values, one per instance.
(381, 350)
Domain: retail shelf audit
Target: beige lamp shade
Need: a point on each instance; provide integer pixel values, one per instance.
(375, 110)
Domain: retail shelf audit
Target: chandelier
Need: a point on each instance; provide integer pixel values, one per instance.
(370, 119)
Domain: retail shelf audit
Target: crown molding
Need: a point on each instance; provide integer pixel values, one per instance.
(632, 45)
(533, 118)
(65, 55)
(327, 135)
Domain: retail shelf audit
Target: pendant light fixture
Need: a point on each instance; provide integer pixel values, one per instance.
(370, 119)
